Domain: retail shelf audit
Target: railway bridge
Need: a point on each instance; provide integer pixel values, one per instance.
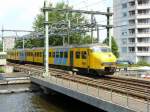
(111, 95)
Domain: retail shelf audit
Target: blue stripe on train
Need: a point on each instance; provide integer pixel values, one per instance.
(60, 61)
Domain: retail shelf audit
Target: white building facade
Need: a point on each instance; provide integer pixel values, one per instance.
(132, 29)
(9, 42)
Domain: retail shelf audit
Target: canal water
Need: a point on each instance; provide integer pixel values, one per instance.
(40, 102)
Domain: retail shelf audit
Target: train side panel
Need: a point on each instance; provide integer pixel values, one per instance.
(61, 56)
(81, 58)
(38, 56)
(51, 56)
(29, 56)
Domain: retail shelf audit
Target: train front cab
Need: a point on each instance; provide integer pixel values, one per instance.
(102, 60)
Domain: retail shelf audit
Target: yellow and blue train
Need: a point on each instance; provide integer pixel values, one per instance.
(93, 58)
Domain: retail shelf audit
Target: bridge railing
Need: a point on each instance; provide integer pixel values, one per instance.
(111, 96)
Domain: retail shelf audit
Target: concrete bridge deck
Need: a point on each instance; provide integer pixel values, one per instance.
(107, 100)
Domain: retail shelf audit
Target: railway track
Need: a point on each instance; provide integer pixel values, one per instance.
(130, 87)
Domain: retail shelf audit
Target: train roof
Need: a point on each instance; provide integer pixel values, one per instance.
(67, 46)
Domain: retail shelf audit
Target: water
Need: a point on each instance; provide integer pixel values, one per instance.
(39, 102)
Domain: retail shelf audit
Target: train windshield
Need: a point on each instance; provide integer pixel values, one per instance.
(101, 49)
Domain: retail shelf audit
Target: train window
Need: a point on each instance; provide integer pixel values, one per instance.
(57, 54)
(101, 49)
(40, 54)
(53, 54)
(49, 54)
(104, 49)
(65, 54)
(77, 54)
(84, 55)
(61, 54)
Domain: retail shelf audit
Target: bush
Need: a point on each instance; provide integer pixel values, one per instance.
(143, 63)
(1, 70)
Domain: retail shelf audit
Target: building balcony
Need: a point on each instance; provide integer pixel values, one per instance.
(144, 25)
(140, 16)
(131, 8)
(143, 53)
(131, 35)
(131, 0)
(132, 17)
(143, 6)
(131, 44)
(144, 44)
(132, 26)
(143, 34)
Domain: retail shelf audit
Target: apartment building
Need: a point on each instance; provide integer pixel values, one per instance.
(132, 29)
(9, 42)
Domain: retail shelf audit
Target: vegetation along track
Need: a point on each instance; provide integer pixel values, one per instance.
(130, 87)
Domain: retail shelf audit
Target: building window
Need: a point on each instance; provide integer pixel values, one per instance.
(124, 5)
(143, 2)
(144, 40)
(131, 31)
(143, 11)
(144, 30)
(131, 40)
(124, 33)
(124, 14)
(131, 49)
(131, 13)
(132, 3)
(143, 49)
(124, 41)
(144, 21)
(131, 22)
(124, 49)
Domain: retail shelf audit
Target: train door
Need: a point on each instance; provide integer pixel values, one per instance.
(71, 58)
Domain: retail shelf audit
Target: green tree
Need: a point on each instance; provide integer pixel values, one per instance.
(55, 17)
(114, 46)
